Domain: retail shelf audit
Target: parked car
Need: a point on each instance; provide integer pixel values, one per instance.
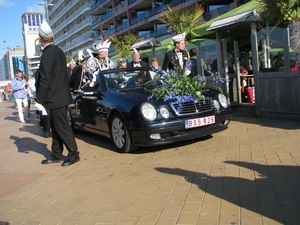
(118, 108)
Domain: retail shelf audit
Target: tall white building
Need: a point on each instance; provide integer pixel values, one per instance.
(71, 23)
(30, 27)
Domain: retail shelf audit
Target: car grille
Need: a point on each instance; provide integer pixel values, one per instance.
(192, 108)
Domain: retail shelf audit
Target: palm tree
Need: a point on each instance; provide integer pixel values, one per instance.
(183, 20)
(122, 43)
(283, 13)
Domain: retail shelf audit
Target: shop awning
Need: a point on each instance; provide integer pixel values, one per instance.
(202, 30)
(236, 20)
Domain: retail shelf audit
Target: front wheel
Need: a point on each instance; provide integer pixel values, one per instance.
(120, 135)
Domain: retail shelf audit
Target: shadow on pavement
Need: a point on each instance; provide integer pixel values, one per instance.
(27, 145)
(258, 195)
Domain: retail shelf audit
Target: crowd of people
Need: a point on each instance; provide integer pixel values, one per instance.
(54, 82)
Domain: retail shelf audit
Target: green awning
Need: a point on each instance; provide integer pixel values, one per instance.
(201, 31)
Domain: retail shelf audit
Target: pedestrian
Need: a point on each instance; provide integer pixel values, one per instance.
(194, 67)
(136, 60)
(177, 58)
(54, 94)
(29, 93)
(18, 88)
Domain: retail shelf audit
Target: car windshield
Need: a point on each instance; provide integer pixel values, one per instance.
(129, 78)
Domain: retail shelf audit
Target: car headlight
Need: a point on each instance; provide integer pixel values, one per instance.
(223, 100)
(164, 112)
(148, 111)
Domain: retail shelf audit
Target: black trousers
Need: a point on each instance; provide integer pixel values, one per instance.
(45, 121)
(62, 134)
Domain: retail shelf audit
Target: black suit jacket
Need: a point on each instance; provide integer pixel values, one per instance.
(143, 64)
(53, 79)
(171, 61)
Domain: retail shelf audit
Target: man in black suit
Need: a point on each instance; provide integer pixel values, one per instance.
(177, 58)
(137, 62)
(54, 94)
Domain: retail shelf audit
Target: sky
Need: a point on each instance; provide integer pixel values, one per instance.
(11, 12)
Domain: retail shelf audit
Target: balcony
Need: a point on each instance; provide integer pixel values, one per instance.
(70, 19)
(139, 18)
(157, 33)
(79, 41)
(96, 23)
(84, 23)
(122, 26)
(64, 11)
(106, 16)
(97, 9)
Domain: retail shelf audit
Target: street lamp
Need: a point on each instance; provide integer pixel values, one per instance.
(46, 7)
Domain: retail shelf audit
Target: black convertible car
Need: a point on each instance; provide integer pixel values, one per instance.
(118, 107)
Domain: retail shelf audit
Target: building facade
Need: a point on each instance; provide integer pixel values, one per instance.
(77, 24)
(30, 29)
(71, 23)
(12, 60)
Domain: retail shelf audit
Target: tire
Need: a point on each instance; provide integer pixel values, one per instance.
(120, 135)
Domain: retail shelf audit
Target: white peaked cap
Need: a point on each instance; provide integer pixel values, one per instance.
(101, 45)
(80, 56)
(179, 37)
(45, 30)
(72, 62)
(135, 51)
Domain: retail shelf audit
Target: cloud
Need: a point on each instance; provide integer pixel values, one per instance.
(35, 8)
(6, 3)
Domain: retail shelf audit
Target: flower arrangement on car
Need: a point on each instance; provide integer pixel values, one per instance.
(182, 88)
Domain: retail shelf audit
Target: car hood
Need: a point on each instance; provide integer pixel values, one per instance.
(137, 93)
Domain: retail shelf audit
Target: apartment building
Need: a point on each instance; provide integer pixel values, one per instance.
(71, 23)
(77, 24)
(30, 30)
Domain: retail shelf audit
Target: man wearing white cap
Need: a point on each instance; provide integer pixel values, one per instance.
(54, 94)
(177, 58)
(102, 62)
(137, 62)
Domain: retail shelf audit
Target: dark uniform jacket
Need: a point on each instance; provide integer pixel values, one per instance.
(171, 61)
(53, 79)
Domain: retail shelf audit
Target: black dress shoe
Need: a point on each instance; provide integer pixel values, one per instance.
(70, 161)
(49, 161)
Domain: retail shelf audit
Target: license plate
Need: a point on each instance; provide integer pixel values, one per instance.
(199, 122)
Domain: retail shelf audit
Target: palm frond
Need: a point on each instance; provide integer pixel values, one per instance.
(182, 19)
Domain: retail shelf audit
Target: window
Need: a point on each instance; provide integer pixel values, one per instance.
(270, 45)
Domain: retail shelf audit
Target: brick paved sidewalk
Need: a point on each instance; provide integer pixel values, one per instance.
(248, 174)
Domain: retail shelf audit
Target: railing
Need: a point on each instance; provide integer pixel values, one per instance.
(78, 12)
(156, 10)
(98, 3)
(157, 33)
(79, 40)
(139, 18)
(106, 16)
(81, 25)
(122, 26)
